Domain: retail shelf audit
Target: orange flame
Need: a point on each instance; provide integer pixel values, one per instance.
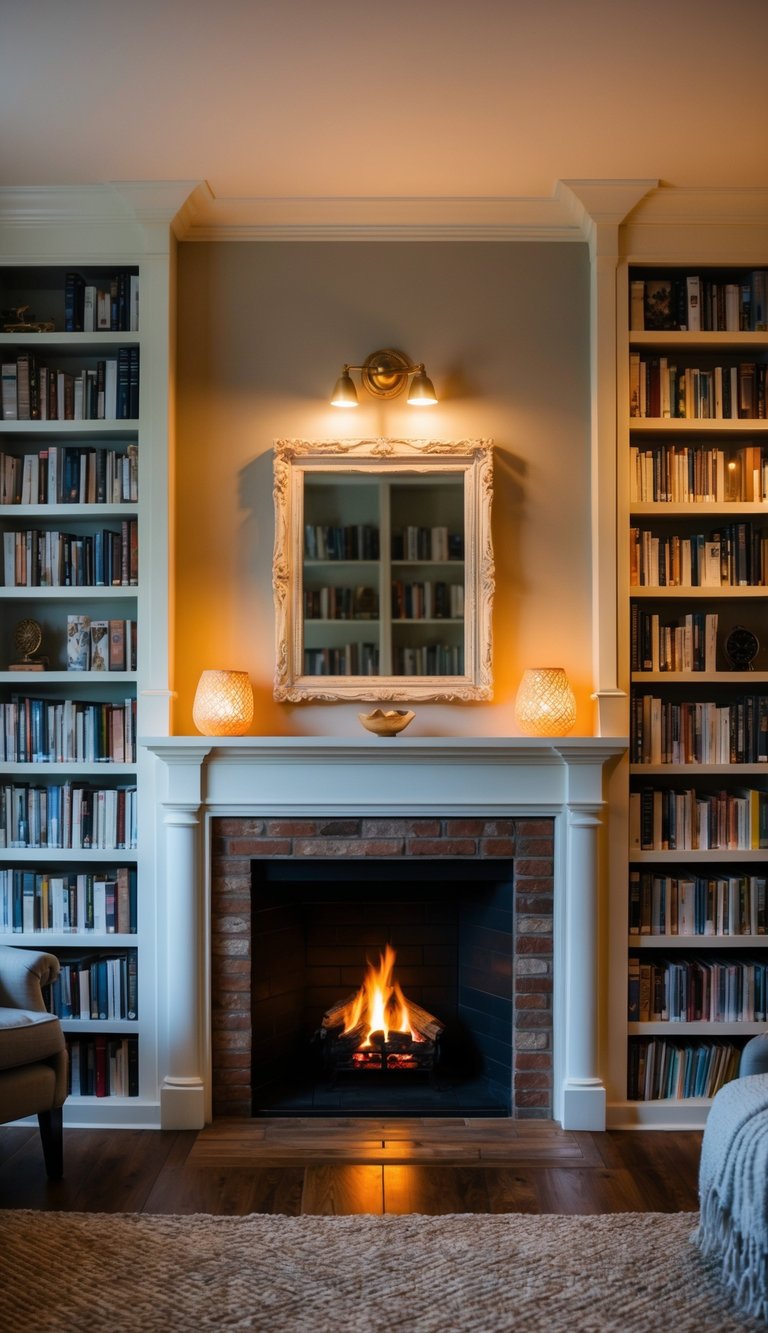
(380, 1003)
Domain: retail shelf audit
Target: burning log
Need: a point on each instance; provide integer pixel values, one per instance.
(377, 1029)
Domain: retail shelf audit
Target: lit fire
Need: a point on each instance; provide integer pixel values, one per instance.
(379, 1005)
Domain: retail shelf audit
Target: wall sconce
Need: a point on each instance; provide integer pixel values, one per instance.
(385, 374)
(223, 703)
(545, 703)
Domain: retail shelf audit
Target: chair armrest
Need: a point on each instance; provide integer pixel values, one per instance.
(23, 973)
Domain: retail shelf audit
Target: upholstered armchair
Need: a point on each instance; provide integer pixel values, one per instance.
(33, 1054)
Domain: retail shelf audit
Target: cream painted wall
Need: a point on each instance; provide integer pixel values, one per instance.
(262, 333)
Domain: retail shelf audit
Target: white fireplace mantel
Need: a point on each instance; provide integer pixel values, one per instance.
(202, 778)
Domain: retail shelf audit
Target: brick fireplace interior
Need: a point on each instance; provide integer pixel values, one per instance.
(300, 905)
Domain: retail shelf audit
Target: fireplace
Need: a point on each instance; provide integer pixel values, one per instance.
(316, 924)
(227, 802)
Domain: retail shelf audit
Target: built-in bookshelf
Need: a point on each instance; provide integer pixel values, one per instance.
(697, 591)
(383, 577)
(83, 630)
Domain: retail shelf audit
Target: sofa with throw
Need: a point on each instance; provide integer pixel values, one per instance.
(33, 1054)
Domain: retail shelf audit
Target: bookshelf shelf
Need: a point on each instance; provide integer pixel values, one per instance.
(674, 1029)
(85, 411)
(712, 441)
(696, 941)
(698, 426)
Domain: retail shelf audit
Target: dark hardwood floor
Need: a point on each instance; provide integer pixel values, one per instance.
(356, 1166)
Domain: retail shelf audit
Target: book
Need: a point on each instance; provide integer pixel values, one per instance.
(9, 405)
(693, 303)
(99, 648)
(117, 645)
(658, 312)
(74, 295)
(78, 643)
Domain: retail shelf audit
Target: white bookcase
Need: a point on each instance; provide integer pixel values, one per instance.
(687, 495)
(119, 235)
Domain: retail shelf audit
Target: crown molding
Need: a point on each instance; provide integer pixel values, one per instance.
(139, 217)
(697, 224)
(206, 217)
(130, 217)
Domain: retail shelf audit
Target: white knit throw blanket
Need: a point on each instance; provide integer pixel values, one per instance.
(733, 1191)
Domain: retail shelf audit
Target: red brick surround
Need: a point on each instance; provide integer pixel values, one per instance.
(237, 841)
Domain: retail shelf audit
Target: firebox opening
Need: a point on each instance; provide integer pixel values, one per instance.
(317, 924)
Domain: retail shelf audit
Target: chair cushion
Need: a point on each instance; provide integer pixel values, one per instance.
(27, 1036)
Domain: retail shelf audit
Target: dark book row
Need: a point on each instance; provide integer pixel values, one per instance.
(103, 1066)
(107, 390)
(663, 731)
(662, 643)
(698, 990)
(73, 815)
(331, 603)
(435, 543)
(65, 731)
(435, 659)
(691, 473)
(65, 902)
(70, 474)
(701, 302)
(351, 659)
(659, 1069)
(732, 555)
(689, 904)
(101, 306)
(662, 819)
(37, 558)
(357, 541)
(660, 389)
(427, 601)
(97, 986)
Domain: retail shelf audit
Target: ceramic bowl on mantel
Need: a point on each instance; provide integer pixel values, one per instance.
(387, 723)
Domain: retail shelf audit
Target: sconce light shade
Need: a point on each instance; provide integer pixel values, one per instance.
(344, 392)
(223, 703)
(422, 390)
(545, 703)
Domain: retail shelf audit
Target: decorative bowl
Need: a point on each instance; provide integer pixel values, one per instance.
(387, 723)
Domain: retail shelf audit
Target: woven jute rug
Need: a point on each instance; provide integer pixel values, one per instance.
(626, 1271)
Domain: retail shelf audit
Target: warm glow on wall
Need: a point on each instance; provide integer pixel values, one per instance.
(223, 703)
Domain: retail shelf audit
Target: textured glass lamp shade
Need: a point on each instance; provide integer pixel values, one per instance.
(344, 392)
(545, 704)
(422, 390)
(223, 703)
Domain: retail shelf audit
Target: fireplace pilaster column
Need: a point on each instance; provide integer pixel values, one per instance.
(583, 1090)
(182, 962)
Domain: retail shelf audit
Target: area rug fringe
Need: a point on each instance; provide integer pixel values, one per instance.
(622, 1273)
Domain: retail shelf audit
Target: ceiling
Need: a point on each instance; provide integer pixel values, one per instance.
(300, 100)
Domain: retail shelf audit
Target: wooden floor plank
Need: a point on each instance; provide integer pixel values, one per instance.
(230, 1192)
(512, 1190)
(435, 1190)
(588, 1191)
(336, 1191)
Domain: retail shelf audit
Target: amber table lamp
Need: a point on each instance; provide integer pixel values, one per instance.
(545, 704)
(223, 703)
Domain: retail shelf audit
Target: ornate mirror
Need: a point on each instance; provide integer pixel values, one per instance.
(383, 569)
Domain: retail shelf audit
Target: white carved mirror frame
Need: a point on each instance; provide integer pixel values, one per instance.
(297, 460)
